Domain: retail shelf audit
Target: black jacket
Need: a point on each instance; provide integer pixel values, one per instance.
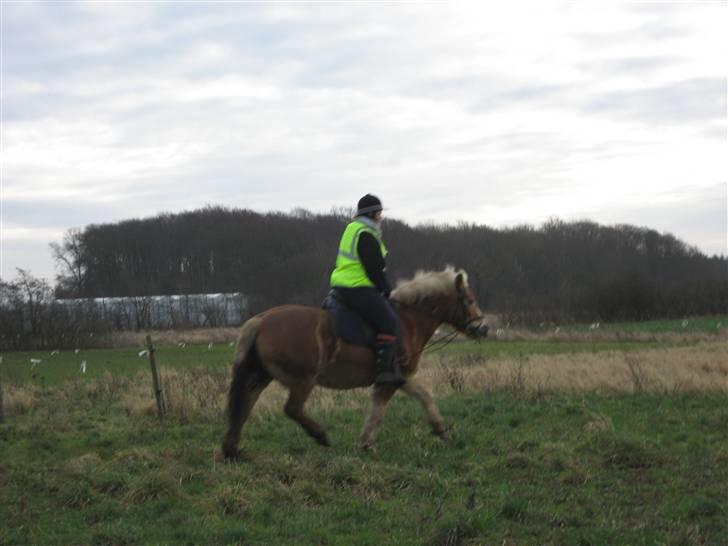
(374, 264)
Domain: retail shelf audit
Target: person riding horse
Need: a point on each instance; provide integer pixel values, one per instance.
(360, 281)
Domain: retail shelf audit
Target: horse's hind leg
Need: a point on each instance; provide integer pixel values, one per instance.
(419, 392)
(381, 395)
(294, 409)
(249, 380)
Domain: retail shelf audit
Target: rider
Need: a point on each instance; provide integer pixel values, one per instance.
(361, 282)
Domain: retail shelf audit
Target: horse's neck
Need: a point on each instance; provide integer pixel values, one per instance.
(423, 322)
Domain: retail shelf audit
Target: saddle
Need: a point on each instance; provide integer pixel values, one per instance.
(350, 327)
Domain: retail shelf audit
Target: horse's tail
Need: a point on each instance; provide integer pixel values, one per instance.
(245, 368)
(246, 341)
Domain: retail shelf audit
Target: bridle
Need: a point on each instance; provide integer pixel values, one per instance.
(462, 306)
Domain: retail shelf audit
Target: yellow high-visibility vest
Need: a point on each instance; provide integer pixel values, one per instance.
(350, 272)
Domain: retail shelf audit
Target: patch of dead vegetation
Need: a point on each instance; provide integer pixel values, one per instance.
(192, 393)
(703, 367)
(199, 336)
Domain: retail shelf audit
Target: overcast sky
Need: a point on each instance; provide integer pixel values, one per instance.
(497, 113)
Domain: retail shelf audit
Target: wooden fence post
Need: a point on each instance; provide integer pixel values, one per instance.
(155, 378)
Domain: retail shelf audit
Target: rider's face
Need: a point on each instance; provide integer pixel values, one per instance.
(378, 217)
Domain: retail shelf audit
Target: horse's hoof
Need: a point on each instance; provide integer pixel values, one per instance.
(323, 440)
(231, 457)
(441, 432)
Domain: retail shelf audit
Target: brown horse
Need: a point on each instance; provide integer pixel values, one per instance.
(298, 346)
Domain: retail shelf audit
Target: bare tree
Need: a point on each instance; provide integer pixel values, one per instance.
(71, 258)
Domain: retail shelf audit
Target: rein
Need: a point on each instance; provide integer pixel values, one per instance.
(441, 343)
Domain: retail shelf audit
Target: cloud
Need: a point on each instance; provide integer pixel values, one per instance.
(447, 111)
(702, 99)
(694, 214)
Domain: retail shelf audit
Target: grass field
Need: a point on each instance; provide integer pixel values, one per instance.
(567, 441)
(213, 349)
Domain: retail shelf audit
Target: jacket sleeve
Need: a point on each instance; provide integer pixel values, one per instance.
(371, 258)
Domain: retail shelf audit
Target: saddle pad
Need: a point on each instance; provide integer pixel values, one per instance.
(349, 326)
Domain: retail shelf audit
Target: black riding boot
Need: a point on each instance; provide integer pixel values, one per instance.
(387, 364)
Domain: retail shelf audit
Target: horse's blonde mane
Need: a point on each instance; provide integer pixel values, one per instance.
(427, 284)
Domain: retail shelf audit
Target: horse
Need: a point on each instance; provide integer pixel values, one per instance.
(298, 346)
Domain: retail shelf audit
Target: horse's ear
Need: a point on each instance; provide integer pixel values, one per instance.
(459, 282)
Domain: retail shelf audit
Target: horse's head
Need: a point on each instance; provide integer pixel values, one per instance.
(446, 296)
(466, 314)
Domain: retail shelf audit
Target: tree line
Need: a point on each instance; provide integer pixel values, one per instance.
(558, 272)
(563, 270)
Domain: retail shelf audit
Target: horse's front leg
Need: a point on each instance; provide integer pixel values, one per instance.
(419, 392)
(381, 395)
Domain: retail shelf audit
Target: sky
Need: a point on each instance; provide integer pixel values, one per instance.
(496, 113)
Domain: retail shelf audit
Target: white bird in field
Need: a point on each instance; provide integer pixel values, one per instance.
(83, 367)
(209, 347)
(54, 353)
(34, 362)
(143, 353)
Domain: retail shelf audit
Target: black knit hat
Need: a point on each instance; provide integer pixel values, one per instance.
(368, 204)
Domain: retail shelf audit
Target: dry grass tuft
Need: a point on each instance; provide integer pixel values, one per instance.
(599, 424)
(231, 499)
(19, 399)
(195, 391)
(84, 465)
(138, 400)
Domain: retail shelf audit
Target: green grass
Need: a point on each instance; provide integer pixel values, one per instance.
(535, 469)
(17, 367)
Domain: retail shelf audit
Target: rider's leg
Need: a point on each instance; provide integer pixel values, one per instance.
(376, 310)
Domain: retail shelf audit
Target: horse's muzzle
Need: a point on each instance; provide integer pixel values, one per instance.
(477, 330)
